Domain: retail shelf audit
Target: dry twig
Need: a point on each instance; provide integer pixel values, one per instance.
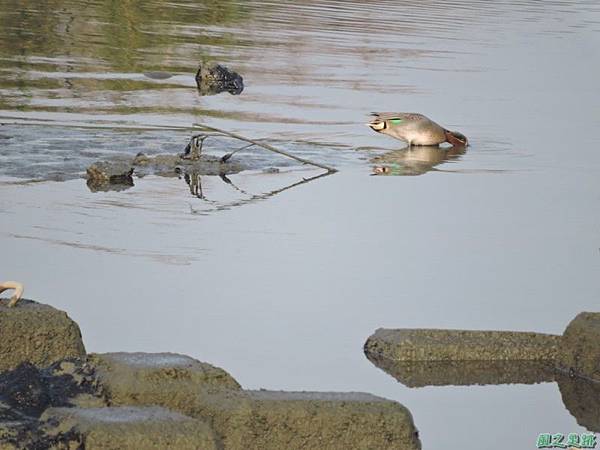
(266, 147)
(18, 287)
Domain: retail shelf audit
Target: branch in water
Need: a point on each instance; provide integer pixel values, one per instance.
(266, 147)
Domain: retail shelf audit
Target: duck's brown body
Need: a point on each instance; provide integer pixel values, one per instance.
(414, 128)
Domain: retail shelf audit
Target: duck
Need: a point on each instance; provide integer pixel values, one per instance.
(415, 128)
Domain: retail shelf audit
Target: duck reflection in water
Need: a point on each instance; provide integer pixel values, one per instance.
(415, 160)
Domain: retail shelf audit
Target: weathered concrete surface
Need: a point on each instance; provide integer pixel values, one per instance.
(268, 420)
(464, 373)
(130, 428)
(166, 379)
(460, 345)
(38, 334)
(579, 352)
(254, 419)
(330, 420)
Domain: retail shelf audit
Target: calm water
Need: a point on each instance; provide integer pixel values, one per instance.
(281, 286)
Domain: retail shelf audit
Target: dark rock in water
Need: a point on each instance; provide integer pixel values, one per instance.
(113, 172)
(110, 176)
(214, 79)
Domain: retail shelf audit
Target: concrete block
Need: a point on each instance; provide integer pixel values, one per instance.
(460, 345)
(579, 351)
(127, 428)
(38, 334)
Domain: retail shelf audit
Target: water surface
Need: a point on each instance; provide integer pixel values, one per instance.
(282, 290)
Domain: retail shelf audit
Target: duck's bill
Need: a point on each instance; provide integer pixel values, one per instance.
(377, 126)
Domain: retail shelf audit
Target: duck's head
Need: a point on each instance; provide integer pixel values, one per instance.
(389, 125)
(456, 139)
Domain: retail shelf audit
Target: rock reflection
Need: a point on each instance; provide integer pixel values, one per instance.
(194, 183)
(106, 185)
(464, 373)
(580, 397)
(414, 161)
(582, 400)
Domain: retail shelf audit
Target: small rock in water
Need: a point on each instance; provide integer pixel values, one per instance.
(110, 171)
(104, 176)
(214, 79)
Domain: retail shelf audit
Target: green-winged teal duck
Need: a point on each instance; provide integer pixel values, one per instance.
(414, 128)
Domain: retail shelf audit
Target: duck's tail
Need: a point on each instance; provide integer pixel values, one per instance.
(457, 139)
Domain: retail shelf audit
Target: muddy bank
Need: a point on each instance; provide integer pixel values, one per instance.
(161, 400)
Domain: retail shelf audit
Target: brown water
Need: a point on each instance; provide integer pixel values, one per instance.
(282, 287)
